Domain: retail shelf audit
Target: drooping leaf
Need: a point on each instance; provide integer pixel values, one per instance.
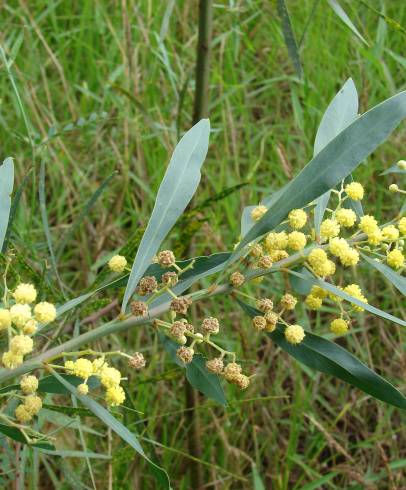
(197, 374)
(340, 12)
(335, 162)
(6, 188)
(17, 435)
(107, 418)
(341, 112)
(328, 357)
(393, 277)
(176, 190)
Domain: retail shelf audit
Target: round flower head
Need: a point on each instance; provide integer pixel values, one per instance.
(25, 293)
(22, 414)
(110, 376)
(319, 262)
(297, 219)
(294, 334)
(117, 263)
(258, 212)
(20, 314)
(215, 365)
(180, 305)
(390, 233)
(288, 302)
(329, 228)
(139, 308)
(355, 291)
(296, 240)
(350, 257)
(166, 258)
(12, 360)
(83, 389)
(210, 325)
(402, 164)
(29, 384)
(271, 321)
(185, 354)
(277, 255)
(21, 345)
(395, 259)
(376, 237)
(147, 285)
(346, 217)
(5, 319)
(339, 326)
(242, 381)
(44, 312)
(355, 191)
(98, 365)
(256, 250)
(33, 404)
(338, 246)
(368, 224)
(237, 279)
(259, 323)
(318, 292)
(83, 368)
(30, 327)
(137, 361)
(115, 396)
(265, 305)
(276, 241)
(313, 302)
(402, 225)
(394, 188)
(265, 262)
(231, 371)
(170, 279)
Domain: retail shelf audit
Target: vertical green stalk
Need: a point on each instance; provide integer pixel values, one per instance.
(200, 111)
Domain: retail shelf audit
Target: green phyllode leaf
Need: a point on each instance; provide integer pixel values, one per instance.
(393, 277)
(175, 192)
(6, 188)
(328, 357)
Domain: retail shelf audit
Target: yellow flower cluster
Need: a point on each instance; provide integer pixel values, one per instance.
(32, 403)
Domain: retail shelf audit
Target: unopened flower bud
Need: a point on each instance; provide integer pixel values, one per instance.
(210, 325)
(139, 308)
(394, 188)
(237, 279)
(147, 285)
(265, 262)
(259, 323)
(83, 389)
(166, 258)
(265, 305)
(288, 302)
(185, 354)
(271, 321)
(242, 381)
(198, 338)
(231, 371)
(169, 279)
(180, 305)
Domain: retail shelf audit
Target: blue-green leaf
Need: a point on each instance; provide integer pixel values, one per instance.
(6, 188)
(396, 279)
(106, 417)
(340, 12)
(335, 162)
(326, 356)
(177, 189)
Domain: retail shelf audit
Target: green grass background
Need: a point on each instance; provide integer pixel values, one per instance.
(108, 86)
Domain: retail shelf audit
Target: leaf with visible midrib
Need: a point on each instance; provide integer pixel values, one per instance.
(6, 188)
(326, 356)
(329, 167)
(396, 279)
(175, 192)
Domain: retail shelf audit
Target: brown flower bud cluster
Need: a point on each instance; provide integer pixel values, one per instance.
(147, 285)
(137, 361)
(181, 305)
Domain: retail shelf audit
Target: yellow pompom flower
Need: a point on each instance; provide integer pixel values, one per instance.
(45, 312)
(297, 219)
(402, 225)
(277, 255)
(20, 314)
(318, 292)
(98, 365)
(22, 414)
(117, 263)
(29, 384)
(316, 256)
(5, 319)
(339, 326)
(294, 334)
(69, 365)
(320, 263)
(338, 246)
(395, 259)
(355, 291)
(394, 188)
(402, 164)
(390, 233)
(30, 327)
(21, 345)
(110, 377)
(115, 396)
(330, 268)
(11, 360)
(350, 257)
(33, 404)
(368, 224)
(83, 368)
(25, 293)
(346, 217)
(376, 237)
(355, 191)
(313, 302)
(329, 228)
(83, 389)
(296, 240)
(258, 212)
(276, 241)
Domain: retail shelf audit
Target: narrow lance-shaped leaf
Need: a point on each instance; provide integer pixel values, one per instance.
(106, 417)
(337, 160)
(393, 277)
(289, 36)
(326, 356)
(177, 189)
(340, 12)
(6, 188)
(341, 112)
